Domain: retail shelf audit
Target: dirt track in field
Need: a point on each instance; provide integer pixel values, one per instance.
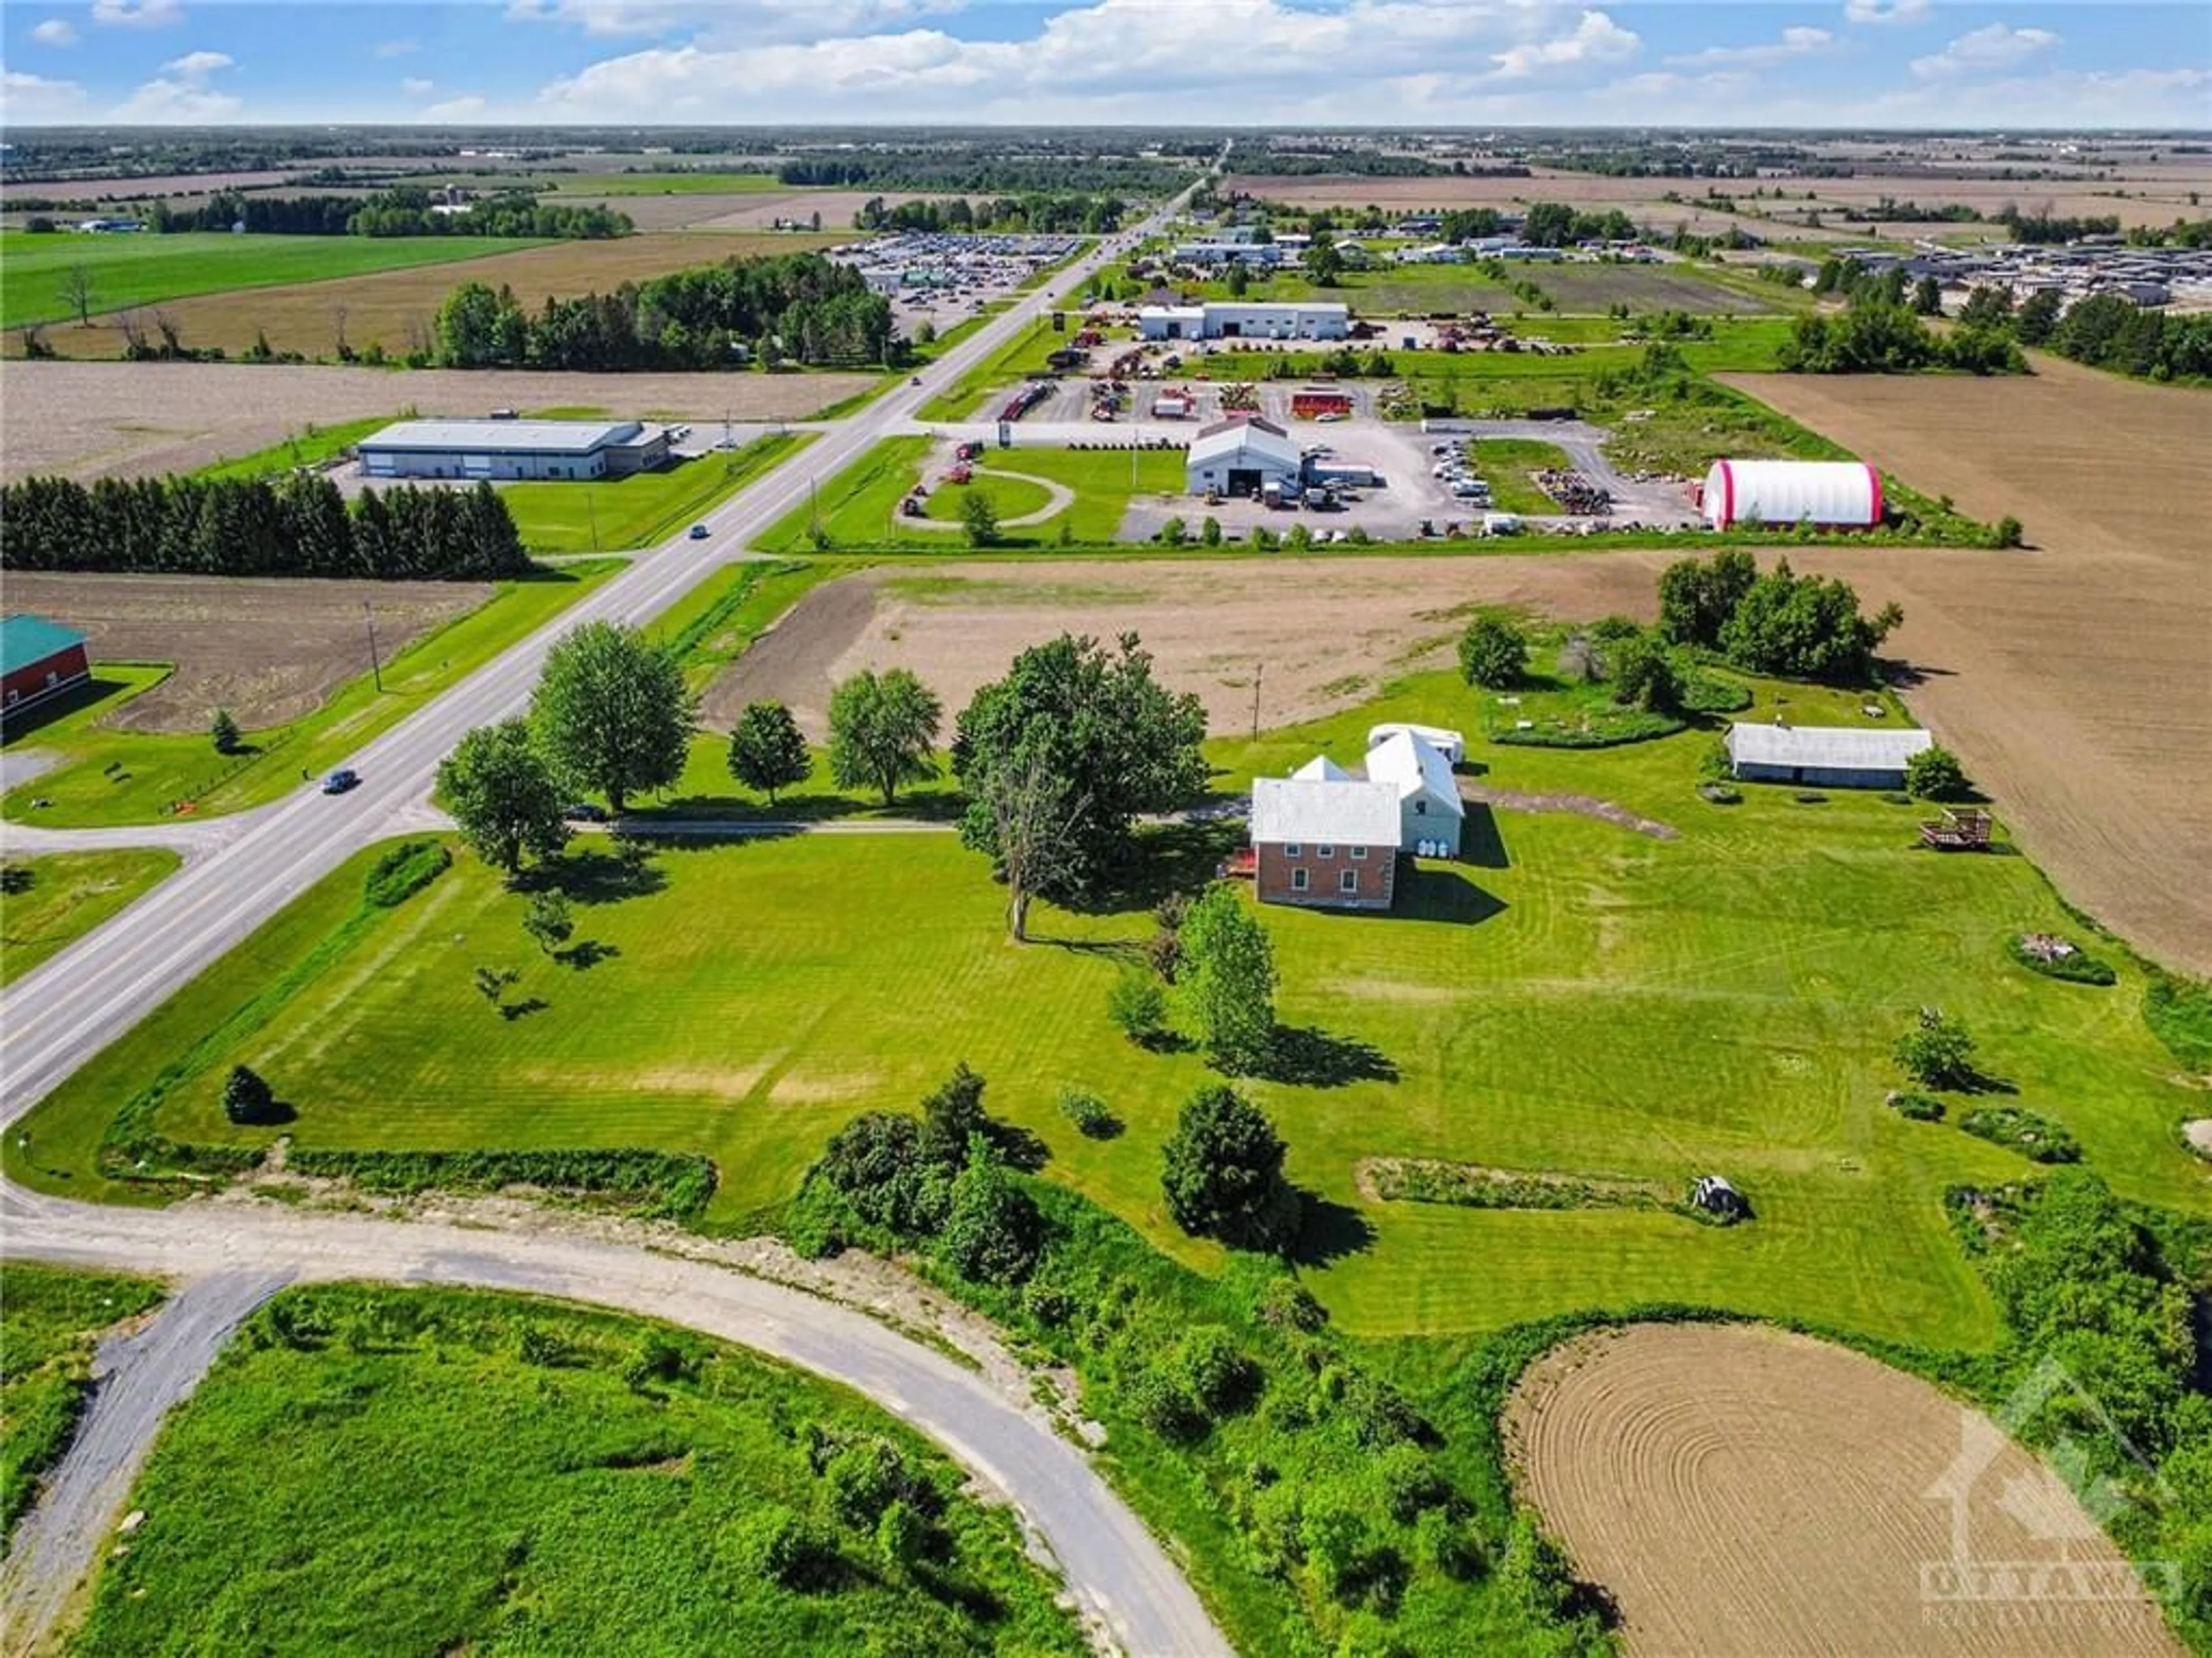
(2073, 679)
(269, 651)
(91, 419)
(1742, 1493)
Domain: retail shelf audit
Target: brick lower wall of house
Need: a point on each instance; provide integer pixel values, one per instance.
(1377, 878)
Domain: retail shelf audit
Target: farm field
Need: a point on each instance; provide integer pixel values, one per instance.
(288, 658)
(542, 1503)
(300, 312)
(1742, 1491)
(1414, 290)
(836, 207)
(144, 269)
(614, 186)
(858, 507)
(642, 510)
(47, 904)
(1579, 997)
(2070, 677)
(99, 419)
(54, 1319)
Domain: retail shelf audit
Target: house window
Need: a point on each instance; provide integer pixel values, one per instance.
(1298, 880)
(1348, 881)
(1292, 849)
(1420, 808)
(1359, 852)
(1325, 852)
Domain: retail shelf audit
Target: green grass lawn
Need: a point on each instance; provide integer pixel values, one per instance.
(643, 509)
(671, 184)
(1505, 463)
(309, 447)
(417, 1478)
(1010, 497)
(48, 903)
(145, 269)
(1575, 997)
(53, 1319)
(134, 777)
(859, 507)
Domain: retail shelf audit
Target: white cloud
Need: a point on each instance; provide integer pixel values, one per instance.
(1797, 42)
(455, 109)
(25, 98)
(1886, 11)
(399, 48)
(1597, 40)
(729, 22)
(197, 65)
(1125, 60)
(137, 14)
(1996, 46)
(2138, 98)
(416, 87)
(55, 31)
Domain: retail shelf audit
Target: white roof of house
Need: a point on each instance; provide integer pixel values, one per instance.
(1442, 737)
(1255, 439)
(1296, 811)
(1322, 769)
(550, 437)
(1848, 748)
(1412, 766)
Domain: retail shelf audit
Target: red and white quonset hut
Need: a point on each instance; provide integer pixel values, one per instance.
(1837, 494)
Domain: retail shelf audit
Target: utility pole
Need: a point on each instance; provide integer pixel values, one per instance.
(375, 665)
(813, 507)
(1259, 673)
(592, 507)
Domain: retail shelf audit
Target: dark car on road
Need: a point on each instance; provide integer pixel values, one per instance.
(698, 532)
(340, 780)
(583, 811)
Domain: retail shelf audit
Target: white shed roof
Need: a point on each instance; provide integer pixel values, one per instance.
(1847, 748)
(1295, 811)
(1265, 444)
(1412, 766)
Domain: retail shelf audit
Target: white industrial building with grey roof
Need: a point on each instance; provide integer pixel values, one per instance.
(502, 449)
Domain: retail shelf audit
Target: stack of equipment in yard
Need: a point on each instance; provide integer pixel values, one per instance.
(1025, 400)
(1575, 493)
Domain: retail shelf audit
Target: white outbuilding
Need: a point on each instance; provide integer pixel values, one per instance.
(1829, 494)
(1235, 319)
(1430, 812)
(1823, 756)
(1243, 455)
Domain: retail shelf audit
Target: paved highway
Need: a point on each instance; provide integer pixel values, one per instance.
(236, 1257)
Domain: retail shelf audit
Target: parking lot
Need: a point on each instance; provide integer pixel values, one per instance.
(944, 277)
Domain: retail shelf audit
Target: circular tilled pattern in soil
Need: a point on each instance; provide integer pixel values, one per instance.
(1742, 1491)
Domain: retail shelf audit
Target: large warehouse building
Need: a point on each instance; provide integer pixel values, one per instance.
(512, 449)
(1830, 494)
(1243, 455)
(1231, 320)
(1825, 757)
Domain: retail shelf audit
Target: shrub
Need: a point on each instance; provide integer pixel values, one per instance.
(1920, 1107)
(248, 1100)
(1175, 532)
(662, 1184)
(1139, 1007)
(404, 871)
(1222, 1173)
(1493, 653)
(2179, 1014)
(1220, 1376)
(1161, 1403)
(1938, 1052)
(1935, 773)
(992, 1230)
(865, 1478)
(2035, 1137)
(774, 1543)
(1287, 1304)
(223, 731)
(1088, 1112)
(2073, 964)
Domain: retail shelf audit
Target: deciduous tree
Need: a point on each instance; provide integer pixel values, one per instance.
(1493, 653)
(502, 796)
(548, 921)
(1226, 976)
(610, 712)
(1935, 773)
(883, 728)
(767, 751)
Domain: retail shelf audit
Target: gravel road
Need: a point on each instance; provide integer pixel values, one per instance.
(230, 1260)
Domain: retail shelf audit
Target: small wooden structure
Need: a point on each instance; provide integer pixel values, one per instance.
(1957, 831)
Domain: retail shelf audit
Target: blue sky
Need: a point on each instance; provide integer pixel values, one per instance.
(1457, 62)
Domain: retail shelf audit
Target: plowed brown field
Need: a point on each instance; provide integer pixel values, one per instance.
(1746, 1493)
(2073, 679)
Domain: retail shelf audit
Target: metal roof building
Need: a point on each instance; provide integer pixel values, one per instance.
(1241, 456)
(1237, 319)
(1827, 757)
(38, 660)
(1430, 811)
(1301, 812)
(512, 449)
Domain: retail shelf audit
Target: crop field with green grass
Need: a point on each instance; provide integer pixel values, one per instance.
(47, 904)
(117, 776)
(858, 507)
(670, 184)
(644, 509)
(1716, 990)
(54, 1319)
(309, 447)
(431, 1471)
(145, 269)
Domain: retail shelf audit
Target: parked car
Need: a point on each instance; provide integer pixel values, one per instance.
(583, 811)
(340, 780)
(698, 532)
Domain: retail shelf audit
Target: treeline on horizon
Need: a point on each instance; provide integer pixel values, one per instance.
(931, 170)
(791, 307)
(404, 210)
(1043, 212)
(296, 526)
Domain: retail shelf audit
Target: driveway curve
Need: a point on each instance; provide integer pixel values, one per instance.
(1116, 1569)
